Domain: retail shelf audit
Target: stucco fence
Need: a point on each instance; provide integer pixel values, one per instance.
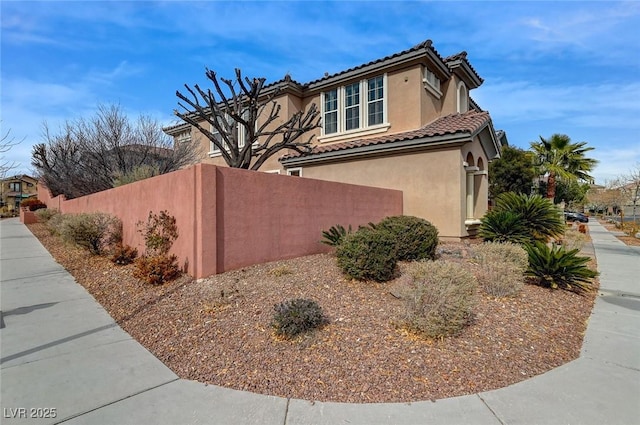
(230, 218)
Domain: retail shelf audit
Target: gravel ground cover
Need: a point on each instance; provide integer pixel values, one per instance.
(217, 330)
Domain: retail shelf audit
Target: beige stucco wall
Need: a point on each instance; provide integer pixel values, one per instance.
(432, 183)
(481, 178)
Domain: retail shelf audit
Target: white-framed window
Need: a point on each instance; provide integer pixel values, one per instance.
(183, 137)
(272, 171)
(431, 82)
(375, 101)
(238, 128)
(295, 172)
(330, 114)
(463, 98)
(355, 107)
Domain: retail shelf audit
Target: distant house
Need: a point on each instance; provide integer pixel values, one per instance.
(14, 190)
(404, 122)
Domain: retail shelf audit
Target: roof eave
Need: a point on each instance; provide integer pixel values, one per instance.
(379, 149)
(380, 66)
(468, 75)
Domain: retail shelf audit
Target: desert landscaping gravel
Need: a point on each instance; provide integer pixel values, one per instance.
(218, 330)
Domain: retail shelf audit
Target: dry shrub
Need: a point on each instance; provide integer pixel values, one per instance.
(280, 271)
(501, 268)
(440, 298)
(156, 269)
(124, 255)
(45, 214)
(573, 240)
(96, 232)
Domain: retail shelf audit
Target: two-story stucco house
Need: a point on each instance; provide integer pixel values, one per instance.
(14, 190)
(404, 122)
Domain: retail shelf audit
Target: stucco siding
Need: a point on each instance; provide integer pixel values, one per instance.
(431, 183)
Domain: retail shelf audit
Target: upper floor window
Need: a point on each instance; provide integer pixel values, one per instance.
(15, 187)
(354, 107)
(185, 136)
(463, 98)
(237, 129)
(431, 82)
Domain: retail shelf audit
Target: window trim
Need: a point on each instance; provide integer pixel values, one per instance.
(463, 86)
(363, 110)
(298, 169)
(214, 150)
(436, 91)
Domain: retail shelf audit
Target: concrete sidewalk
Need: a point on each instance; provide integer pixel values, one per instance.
(60, 350)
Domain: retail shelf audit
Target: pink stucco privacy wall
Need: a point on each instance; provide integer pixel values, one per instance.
(229, 218)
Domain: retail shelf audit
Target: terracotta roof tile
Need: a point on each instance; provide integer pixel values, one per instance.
(462, 56)
(427, 44)
(468, 122)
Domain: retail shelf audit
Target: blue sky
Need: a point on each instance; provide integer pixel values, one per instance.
(549, 67)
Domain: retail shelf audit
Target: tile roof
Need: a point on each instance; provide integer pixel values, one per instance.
(427, 44)
(469, 122)
(462, 56)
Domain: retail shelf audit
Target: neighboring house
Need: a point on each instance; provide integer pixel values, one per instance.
(405, 122)
(13, 190)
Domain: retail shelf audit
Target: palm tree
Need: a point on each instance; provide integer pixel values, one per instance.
(557, 157)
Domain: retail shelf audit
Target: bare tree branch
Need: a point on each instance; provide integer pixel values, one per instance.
(94, 154)
(242, 107)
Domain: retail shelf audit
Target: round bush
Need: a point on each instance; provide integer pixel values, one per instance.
(368, 254)
(415, 238)
(440, 298)
(296, 316)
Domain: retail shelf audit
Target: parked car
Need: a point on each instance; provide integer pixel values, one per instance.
(575, 216)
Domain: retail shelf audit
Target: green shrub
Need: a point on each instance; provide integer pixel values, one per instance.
(501, 268)
(293, 317)
(335, 235)
(540, 217)
(45, 214)
(440, 298)
(160, 232)
(124, 255)
(157, 269)
(556, 267)
(95, 231)
(368, 255)
(504, 226)
(415, 238)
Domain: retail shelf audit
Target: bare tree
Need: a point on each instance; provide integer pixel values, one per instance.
(250, 109)
(630, 187)
(94, 154)
(6, 143)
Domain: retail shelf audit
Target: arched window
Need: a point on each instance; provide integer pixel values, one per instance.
(463, 98)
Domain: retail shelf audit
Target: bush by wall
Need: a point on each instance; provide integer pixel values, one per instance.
(96, 232)
(33, 204)
(45, 214)
(156, 266)
(415, 238)
(368, 254)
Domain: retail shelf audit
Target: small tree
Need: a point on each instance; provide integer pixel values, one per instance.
(512, 172)
(247, 106)
(557, 157)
